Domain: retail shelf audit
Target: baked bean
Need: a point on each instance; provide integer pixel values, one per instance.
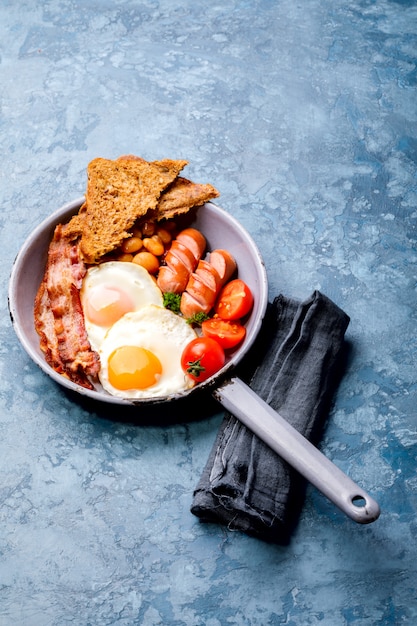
(132, 245)
(164, 235)
(148, 229)
(147, 260)
(154, 245)
(137, 232)
(169, 225)
(125, 257)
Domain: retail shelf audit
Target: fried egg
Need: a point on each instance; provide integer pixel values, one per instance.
(109, 291)
(141, 354)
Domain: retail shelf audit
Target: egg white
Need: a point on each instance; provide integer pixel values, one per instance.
(128, 277)
(162, 332)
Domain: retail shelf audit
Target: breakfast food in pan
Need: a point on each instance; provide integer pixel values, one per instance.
(127, 289)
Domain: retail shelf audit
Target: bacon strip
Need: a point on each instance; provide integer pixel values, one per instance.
(59, 318)
(45, 327)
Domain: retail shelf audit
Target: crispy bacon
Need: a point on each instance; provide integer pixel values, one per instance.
(45, 327)
(59, 318)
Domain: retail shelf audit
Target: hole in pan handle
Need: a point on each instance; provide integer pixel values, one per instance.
(275, 431)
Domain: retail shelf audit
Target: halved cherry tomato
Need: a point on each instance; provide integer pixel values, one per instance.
(235, 300)
(226, 332)
(202, 358)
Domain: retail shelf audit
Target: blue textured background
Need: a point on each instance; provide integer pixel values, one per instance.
(303, 115)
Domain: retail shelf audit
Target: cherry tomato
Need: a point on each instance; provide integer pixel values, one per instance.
(235, 300)
(202, 358)
(227, 333)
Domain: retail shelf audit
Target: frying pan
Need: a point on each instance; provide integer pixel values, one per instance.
(221, 231)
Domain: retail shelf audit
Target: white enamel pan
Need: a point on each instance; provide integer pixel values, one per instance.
(221, 231)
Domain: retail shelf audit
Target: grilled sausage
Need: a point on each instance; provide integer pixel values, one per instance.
(205, 283)
(181, 260)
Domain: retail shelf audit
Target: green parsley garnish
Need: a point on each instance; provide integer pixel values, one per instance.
(197, 319)
(172, 301)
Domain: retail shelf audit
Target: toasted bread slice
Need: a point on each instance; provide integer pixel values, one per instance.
(118, 193)
(181, 196)
(74, 228)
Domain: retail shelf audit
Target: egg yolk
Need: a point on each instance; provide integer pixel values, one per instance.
(106, 305)
(132, 367)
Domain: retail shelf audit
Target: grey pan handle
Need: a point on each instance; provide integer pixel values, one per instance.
(275, 431)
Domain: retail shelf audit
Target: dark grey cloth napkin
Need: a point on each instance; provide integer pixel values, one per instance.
(245, 484)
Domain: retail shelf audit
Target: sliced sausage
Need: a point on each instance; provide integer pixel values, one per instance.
(181, 260)
(205, 283)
